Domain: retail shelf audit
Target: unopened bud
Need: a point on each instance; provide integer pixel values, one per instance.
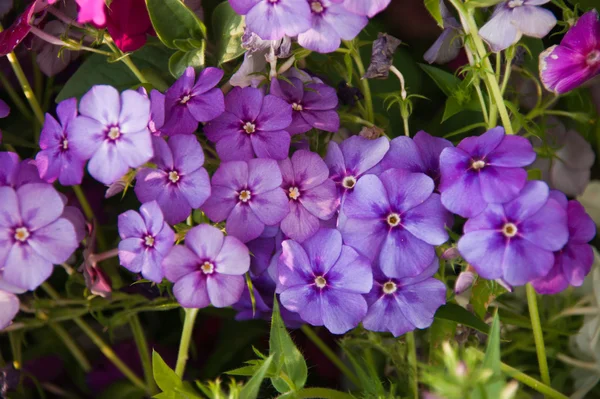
(451, 253)
(464, 282)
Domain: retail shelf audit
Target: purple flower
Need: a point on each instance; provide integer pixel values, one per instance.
(396, 219)
(9, 307)
(190, 101)
(323, 280)
(145, 240)
(515, 241)
(33, 234)
(273, 19)
(365, 7)
(482, 170)
(401, 305)
(515, 18)
(312, 195)
(448, 45)
(248, 195)
(573, 262)
(179, 183)
(576, 59)
(208, 269)
(4, 109)
(157, 110)
(252, 125)
(331, 23)
(14, 172)
(112, 130)
(313, 107)
(263, 249)
(59, 158)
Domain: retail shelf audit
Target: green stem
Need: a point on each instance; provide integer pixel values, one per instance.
(85, 205)
(412, 362)
(14, 96)
(134, 69)
(370, 115)
(71, 346)
(310, 334)
(484, 110)
(323, 393)
(142, 346)
(356, 119)
(184, 344)
(506, 77)
(538, 335)
(97, 340)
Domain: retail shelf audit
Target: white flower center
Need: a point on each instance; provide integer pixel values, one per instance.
(149, 240)
(320, 282)
(294, 193)
(593, 58)
(515, 3)
(393, 219)
(114, 133)
(185, 99)
(477, 165)
(245, 195)
(297, 107)
(510, 230)
(349, 182)
(249, 127)
(21, 234)
(207, 268)
(65, 144)
(390, 287)
(174, 176)
(316, 6)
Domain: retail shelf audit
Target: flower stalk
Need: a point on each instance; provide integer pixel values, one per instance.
(184, 343)
(538, 335)
(143, 350)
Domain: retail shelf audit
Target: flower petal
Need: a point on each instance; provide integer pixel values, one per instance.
(342, 311)
(179, 262)
(191, 291)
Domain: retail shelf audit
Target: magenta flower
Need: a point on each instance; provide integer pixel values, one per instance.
(33, 234)
(313, 105)
(514, 241)
(252, 125)
(145, 240)
(484, 169)
(573, 262)
(208, 269)
(312, 195)
(112, 130)
(179, 183)
(323, 280)
(401, 305)
(274, 19)
(248, 195)
(59, 159)
(90, 11)
(365, 7)
(190, 101)
(576, 59)
(331, 23)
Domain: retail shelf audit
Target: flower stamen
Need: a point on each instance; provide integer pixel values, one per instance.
(245, 196)
(389, 288)
(297, 107)
(174, 176)
(320, 282)
(510, 230)
(114, 133)
(249, 127)
(22, 234)
(294, 193)
(149, 241)
(317, 7)
(207, 268)
(393, 219)
(478, 164)
(349, 182)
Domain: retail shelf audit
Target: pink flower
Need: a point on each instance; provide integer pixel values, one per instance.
(91, 11)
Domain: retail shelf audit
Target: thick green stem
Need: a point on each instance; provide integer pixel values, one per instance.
(85, 205)
(323, 393)
(310, 334)
(184, 344)
(366, 89)
(72, 346)
(412, 363)
(144, 351)
(538, 335)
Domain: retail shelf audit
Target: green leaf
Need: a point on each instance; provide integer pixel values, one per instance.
(433, 6)
(173, 20)
(182, 59)
(165, 378)
(250, 390)
(447, 82)
(482, 3)
(229, 29)
(458, 314)
(483, 293)
(491, 359)
(287, 358)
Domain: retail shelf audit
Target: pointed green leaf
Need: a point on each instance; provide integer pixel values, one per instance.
(165, 378)
(229, 29)
(250, 390)
(173, 20)
(453, 312)
(492, 361)
(433, 6)
(182, 59)
(484, 292)
(447, 82)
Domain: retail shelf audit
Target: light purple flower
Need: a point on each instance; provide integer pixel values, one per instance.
(365, 7)
(208, 269)
(4, 109)
(448, 44)
(145, 240)
(515, 241)
(14, 172)
(179, 183)
(331, 23)
(484, 169)
(573, 262)
(9, 307)
(112, 130)
(190, 101)
(401, 305)
(323, 280)
(33, 234)
(313, 105)
(248, 195)
(157, 110)
(464, 281)
(396, 219)
(273, 19)
(312, 195)
(514, 18)
(252, 125)
(59, 158)
(576, 59)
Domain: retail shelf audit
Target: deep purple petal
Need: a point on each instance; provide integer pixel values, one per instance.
(328, 121)
(244, 103)
(584, 34)
(563, 69)
(420, 301)
(484, 250)
(209, 78)
(460, 188)
(361, 154)
(304, 300)
(581, 226)
(576, 261)
(291, 91)
(512, 152)
(187, 153)
(368, 201)
(275, 114)
(220, 203)
(524, 262)
(500, 185)
(207, 106)
(270, 207)
(482, 146)
(531, 199)
(385, 315)
(552, 283)
(547, 228)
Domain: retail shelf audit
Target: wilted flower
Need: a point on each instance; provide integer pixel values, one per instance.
(448, 45)
(382, 56)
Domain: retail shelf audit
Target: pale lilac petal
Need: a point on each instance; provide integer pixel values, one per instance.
(346, 24)
(55, 242)
(33, 212)
(195, 187)
(135, 149)
(404, 255)
(303, 300)
(220, 203)
(385, 315)
(263, 175)
(342, 311)
(366, 236)
(153, 217)
(179, 262)
(293, 267)
(500, 32)
(485, 251)
(299, 224)
(361, 154)
(324, 249)
(403, 154)
(151, 268)
(205, 240)
(233, 175)
(10, 214)
(233, 258)
(135, 112)
(309, 169)
(446, 47)
(321, 201)
(103, 104)
(524, 262)
(533, 21)
(130, 252)
(351, 272)
(420, 301)
(106, 164)
(321, 37)
(9, 162)
(187, 153)
(9, 307)
(224, 290)
(531, 199)
(191, 291)
(25, 268)
(366, 7)
(270, 22)
(270, 207)
(243, 223)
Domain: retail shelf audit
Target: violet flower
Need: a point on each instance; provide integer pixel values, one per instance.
(190, 101)
(157, 111)
(401, 305)
(179, 183)
(145, 240)
(313, 105)
(574, 261)
(484, 169)
(208, 269)
(514, 18)
(312, 195)
(515, 241)
(59, 157)
(4, 109)
(365, 7)
(395, 218)
(448, 44)
(263, 249)
(33, 233)
(112, 130)
(252, 125)
(14, 172)
(576, 59)
(248, 195)
(323, 280)
(271, 20)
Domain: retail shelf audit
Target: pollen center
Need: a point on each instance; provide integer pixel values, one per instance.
(245, 195)
(207, 268)
(249, 127)
(297, 107)
(509, 230)
(294, 193)
(114, 133)
(515, 3)
(316, 6)
(174, 176)
(393, 219)
(149, 241)
(320, 282)
(593, 58)
(22, 234)
(390, 287)
(349, 182)
(65, 144)
(477, 165)
(185, 99)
